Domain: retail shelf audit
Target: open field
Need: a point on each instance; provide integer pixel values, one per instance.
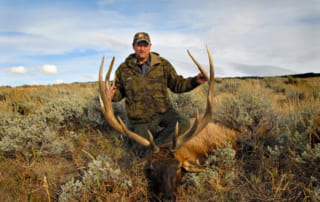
(55, 145)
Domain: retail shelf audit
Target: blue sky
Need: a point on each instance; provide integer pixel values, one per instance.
(62, 41)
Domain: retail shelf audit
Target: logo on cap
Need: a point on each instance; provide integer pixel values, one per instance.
(141, 37)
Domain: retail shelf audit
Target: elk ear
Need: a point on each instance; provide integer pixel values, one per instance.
(192, 167)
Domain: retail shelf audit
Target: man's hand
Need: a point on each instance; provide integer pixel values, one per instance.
(110, 90)
(201, 78)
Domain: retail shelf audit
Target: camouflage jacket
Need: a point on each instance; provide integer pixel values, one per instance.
(146, 94)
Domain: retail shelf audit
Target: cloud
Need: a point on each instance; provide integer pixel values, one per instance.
(59, 82)
(258, 37)
(18, 69)
(49, 69)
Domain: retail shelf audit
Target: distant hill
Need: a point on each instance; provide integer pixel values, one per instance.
(304, 75)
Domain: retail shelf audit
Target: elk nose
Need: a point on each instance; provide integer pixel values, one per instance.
(169, 198)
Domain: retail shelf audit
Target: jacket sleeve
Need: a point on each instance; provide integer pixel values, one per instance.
(177, 83)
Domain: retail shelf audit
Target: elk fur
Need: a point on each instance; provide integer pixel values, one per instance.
(210, 138)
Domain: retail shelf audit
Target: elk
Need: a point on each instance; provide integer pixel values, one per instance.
(166, 164)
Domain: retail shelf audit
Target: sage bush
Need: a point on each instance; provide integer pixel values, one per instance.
(103, 176)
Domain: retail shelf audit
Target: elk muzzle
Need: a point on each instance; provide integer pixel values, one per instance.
(163, 176)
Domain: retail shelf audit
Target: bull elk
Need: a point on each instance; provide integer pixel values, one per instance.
(167, 163)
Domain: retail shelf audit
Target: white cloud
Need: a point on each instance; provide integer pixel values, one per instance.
(59, 81)
(50, 69)
(280, 34)
(18, 69)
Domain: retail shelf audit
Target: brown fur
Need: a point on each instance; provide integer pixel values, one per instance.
(213, 136)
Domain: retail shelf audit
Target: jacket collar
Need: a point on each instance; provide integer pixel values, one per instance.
(132, 60)
(155, 58)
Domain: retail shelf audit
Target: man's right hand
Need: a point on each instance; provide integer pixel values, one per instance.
(110, 89)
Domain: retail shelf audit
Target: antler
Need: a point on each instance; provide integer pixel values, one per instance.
(107, 109)
(198, 125)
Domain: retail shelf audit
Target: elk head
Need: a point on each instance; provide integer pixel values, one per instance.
(164, 168)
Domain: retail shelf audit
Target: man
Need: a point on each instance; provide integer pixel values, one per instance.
(143, 79)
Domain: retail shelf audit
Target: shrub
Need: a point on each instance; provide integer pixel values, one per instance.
(229, 87)
(295, 95)
(30, 136)
(92, 115)
(191, 102)
(275, 84)
(291, 80)
(62, 111)
(245, 112)
(102, 180)
(217, 179)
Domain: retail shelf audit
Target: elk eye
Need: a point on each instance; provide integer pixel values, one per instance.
(183, 169)
(148, 171)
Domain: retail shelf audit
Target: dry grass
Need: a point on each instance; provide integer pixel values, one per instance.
(76, 156)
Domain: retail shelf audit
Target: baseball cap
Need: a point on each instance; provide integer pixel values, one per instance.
(141, 36)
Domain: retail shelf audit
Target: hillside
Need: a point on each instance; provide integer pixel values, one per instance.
(55, 145)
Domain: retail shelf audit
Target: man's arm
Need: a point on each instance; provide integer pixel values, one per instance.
(179, 84)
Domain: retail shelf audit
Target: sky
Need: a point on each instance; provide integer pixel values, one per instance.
(62, 41)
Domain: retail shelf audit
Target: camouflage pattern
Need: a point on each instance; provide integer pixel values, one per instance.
(162, 128)
(141, 36)
(147, 95)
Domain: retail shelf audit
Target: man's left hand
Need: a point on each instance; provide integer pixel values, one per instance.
(201, 78)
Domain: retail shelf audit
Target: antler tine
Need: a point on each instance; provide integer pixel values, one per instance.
(208, 113)
(198, 125)
(201, 69)
(174, 138)
(107, 109)
(154, 147)
(180, 140)
(134, 136)
(105, 98)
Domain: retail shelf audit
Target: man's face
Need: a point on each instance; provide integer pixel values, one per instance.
(142, 50)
